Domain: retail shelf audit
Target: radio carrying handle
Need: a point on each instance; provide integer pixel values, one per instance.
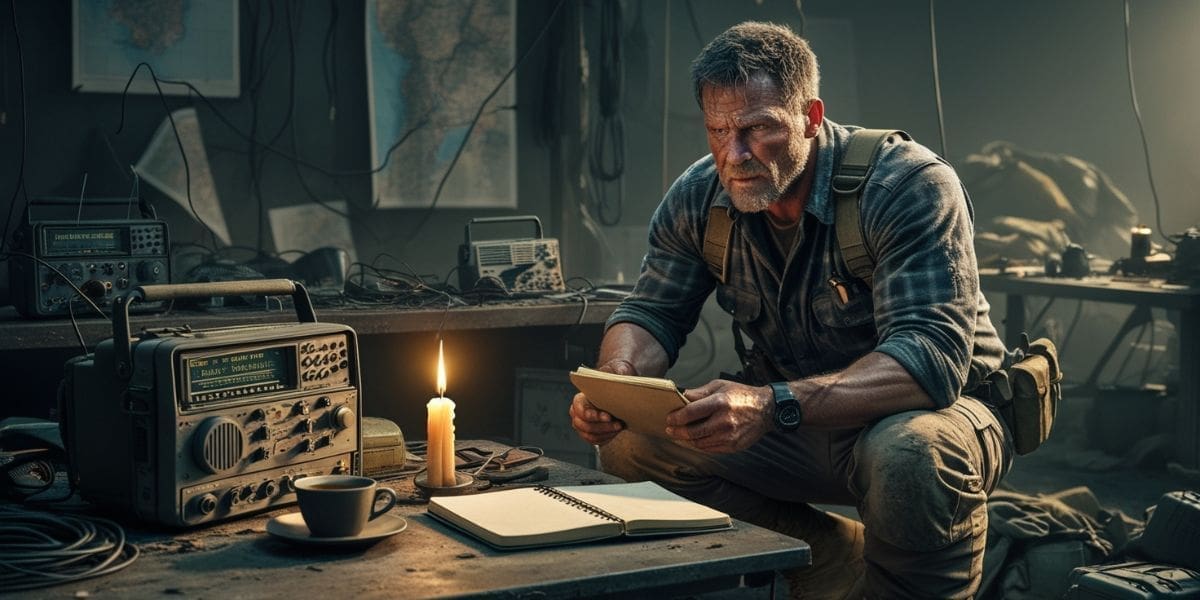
(153, 293)
(537, 223)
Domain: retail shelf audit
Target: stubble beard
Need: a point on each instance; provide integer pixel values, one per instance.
(773, 183)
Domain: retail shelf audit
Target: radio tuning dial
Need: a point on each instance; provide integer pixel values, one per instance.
(206, 504)
(343, 417)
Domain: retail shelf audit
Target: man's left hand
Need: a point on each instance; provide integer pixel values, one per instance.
(722, 417)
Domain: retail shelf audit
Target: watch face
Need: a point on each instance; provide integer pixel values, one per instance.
(788, 415)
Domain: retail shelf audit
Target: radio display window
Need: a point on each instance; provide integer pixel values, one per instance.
(75, 241)
(237, 374)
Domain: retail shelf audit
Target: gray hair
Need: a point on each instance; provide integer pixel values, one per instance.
(756, 47)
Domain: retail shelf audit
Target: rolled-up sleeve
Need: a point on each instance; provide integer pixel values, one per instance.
(674, 280)
(926, 283)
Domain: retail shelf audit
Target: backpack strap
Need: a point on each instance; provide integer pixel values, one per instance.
(717, 236)
(848, 180)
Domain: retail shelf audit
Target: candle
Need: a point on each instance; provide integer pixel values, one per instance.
(439, 456)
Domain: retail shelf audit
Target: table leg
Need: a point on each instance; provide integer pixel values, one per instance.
(1187, 435)
(1014, 319)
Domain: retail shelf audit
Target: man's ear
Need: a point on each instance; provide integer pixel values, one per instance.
(815, 113)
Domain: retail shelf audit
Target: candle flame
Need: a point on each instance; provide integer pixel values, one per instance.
(441, 372)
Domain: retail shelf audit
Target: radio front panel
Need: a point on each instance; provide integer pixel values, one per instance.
(232, 419)
(103, 259)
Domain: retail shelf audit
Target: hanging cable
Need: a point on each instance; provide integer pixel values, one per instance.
(666, 101)
(937, 80)
(1137, 114)
(606, 159)
(20, 187)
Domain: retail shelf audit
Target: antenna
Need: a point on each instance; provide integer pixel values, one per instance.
(82, 190)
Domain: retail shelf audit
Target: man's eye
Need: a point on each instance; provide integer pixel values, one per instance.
(717, 130)
(758, 127)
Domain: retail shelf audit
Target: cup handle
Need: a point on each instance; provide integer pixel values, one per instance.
(391, 496)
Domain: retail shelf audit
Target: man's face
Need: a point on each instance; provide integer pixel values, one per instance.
(757, 140)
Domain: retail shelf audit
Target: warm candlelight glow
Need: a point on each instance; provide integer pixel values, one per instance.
(441, 373)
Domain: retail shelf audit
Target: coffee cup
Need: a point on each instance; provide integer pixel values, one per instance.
(340, 505)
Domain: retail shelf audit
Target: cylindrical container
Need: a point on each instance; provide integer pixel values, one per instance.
(1139, 243)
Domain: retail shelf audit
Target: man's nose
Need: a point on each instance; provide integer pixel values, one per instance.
(738, 151)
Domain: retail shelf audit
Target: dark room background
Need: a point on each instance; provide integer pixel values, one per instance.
(1046, 76)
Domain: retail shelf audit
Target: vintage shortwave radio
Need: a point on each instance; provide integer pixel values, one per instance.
(184, 427)
(515, 265)
(103, 257)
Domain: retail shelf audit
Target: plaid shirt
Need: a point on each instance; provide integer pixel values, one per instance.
(925, 310)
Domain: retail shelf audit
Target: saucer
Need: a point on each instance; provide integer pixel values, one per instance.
(291, 528)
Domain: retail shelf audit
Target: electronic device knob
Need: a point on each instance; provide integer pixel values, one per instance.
(93, 288)
(324, 401)
(258, 414)
(301, 408)
(310, 446)
(287, 484)
(206, 504)
(342, 417)
(150, 270)
(308, 426)
(268, 489)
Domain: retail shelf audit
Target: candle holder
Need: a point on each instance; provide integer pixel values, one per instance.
(463, 484)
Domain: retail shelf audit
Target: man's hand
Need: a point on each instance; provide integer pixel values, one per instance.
(723, 417)
(592, 424)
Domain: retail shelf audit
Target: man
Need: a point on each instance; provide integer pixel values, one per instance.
(878, 371)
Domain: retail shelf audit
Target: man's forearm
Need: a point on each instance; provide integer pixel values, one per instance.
(627, 346)
(874, 387)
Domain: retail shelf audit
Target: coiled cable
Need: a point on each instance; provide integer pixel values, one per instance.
(40, 549)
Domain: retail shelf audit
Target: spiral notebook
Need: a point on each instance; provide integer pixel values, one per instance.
(549, 516)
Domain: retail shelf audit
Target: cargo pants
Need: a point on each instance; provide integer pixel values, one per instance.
(919, 479)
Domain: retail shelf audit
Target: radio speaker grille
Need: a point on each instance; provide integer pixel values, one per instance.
(219, 444)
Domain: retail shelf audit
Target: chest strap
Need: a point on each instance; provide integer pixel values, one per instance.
(849, 178)
(848, 181)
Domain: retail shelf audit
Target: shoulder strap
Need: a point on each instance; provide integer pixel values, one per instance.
(717, 235)
(848, 180)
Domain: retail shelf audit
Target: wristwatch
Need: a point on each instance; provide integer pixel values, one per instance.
(787, 408)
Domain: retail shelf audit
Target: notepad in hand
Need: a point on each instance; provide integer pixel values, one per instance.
(641, 402)
(549, 516)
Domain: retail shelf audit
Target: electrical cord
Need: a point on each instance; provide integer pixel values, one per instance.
(1137, 114)
(937, 80)
(187, 170)
(609, 136)
(329, 60)
(41, 549)
(20, 188)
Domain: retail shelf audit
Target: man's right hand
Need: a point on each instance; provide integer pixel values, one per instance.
(592, 424)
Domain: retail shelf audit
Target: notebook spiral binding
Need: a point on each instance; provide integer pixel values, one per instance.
(577, 503)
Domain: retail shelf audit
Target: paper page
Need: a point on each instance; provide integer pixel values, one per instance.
(648, 506)
(162, 166)
(306, 227)
(521, 517)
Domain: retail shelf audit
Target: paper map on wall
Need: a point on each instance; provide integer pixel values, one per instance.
(191, 40)
(431, 63)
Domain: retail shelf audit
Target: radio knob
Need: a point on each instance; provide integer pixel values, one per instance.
(268, 489)
(93, 289)
(301, 408)
(206, 504)
(122, 283)
(324, 401)
(149, 271)
(309, 446)
(343, 417)
(308, 426)
(258, 414)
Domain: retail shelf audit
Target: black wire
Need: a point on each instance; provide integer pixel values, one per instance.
(803, 28)
(609, 136)
(329, 59)
(937, 80)
(75, 325)
(696, 24)
(24, 130)
(478, 113)
(66, 279)
(420, 123)
(1137, 114)
(187, 170)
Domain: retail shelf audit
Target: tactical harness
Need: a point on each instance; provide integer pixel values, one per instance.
(1025, 392)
